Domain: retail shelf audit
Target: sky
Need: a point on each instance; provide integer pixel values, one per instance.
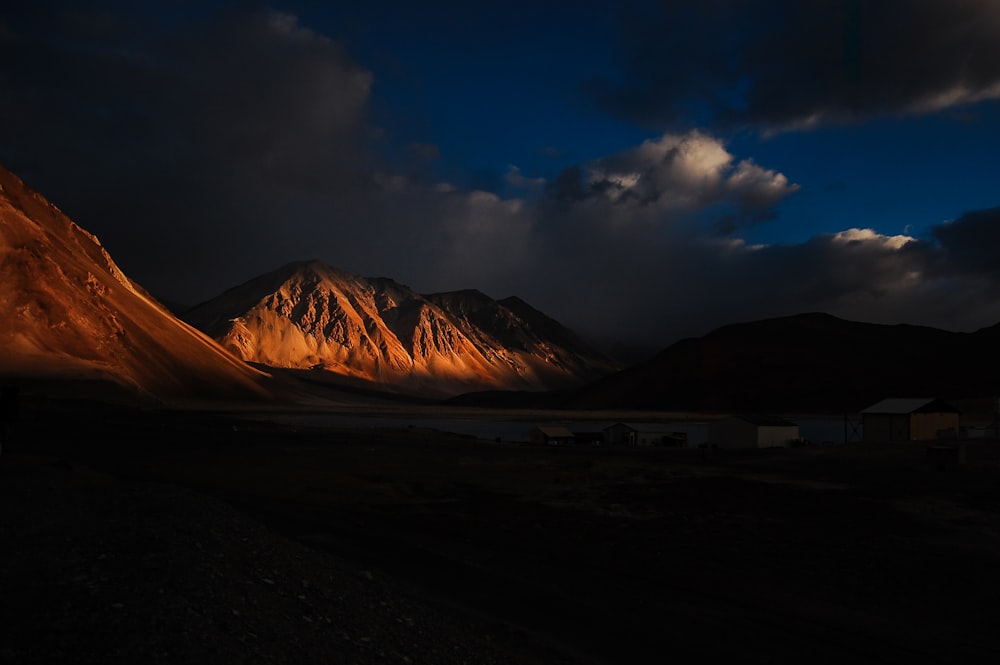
(641, 171)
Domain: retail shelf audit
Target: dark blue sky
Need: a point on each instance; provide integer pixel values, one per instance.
(492, 84)
(640, 170)
(499, 84)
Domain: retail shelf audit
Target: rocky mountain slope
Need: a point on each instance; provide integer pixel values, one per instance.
(808, 362)
(68, 312)
(308, 315)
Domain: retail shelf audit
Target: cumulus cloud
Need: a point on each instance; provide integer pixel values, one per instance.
(616, 247)
(588, 262)
(515, 178)
(757, 188)
(785, 64)
(855, 236)
(677, 174)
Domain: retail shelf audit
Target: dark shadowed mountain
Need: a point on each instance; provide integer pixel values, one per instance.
(803, 363)
(308, 315)
(67, 312)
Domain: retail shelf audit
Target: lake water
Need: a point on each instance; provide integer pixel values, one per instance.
(817, 430)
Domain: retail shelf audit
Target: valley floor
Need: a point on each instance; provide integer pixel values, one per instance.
(176, 537)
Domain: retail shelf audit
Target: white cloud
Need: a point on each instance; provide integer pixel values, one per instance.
(855, 235)
(958, 95)
(757, 187)
(685, 172)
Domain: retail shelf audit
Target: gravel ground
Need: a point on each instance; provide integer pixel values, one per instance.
(134, 536)
(97, 570)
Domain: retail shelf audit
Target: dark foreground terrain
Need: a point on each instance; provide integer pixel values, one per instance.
(132, 536)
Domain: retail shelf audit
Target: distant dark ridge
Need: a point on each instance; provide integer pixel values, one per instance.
(805, 363)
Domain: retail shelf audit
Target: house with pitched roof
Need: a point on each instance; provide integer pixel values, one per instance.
(910, 419)
(551, 435)
(644, 434)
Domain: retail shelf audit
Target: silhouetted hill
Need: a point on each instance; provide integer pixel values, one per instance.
(808, 362)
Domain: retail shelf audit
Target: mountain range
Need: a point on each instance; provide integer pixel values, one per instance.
(311, 316)
(67, 312)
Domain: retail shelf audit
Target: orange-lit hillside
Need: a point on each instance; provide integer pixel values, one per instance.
(68, 312)
(308, 315)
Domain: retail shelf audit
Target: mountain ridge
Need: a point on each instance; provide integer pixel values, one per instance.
(308, 315)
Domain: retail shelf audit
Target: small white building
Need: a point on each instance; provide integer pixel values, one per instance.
(756, 431)
(551, 436)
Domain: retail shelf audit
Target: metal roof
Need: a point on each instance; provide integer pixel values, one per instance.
(647, 428)
(907, 405)
(556, 432)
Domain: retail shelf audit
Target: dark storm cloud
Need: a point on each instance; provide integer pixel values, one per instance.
(627, 245)
(645, 269)
(972, 242)
(276, 98)
(204, 152)
(660, 286)
(225, 145)
(857, 274)
(785, 64)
